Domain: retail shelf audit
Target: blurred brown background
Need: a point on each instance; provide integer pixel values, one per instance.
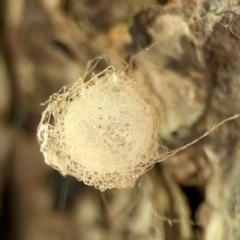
(187, 53)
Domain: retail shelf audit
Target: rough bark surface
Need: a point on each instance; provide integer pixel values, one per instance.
(186, 53)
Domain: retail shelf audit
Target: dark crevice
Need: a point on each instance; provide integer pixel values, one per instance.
(5, 217)
(195, 197)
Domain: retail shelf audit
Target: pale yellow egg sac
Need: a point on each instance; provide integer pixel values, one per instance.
(103, 132)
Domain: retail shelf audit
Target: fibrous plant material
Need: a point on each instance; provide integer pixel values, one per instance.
(103, 132)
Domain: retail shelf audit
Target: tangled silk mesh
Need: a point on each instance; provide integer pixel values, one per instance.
(103, 132)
